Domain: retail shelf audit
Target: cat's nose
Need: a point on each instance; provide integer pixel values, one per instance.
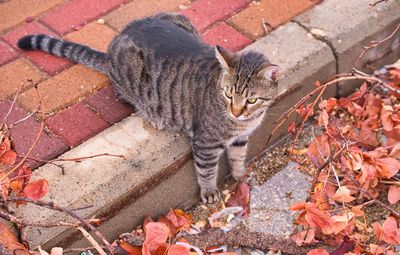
(236, 111)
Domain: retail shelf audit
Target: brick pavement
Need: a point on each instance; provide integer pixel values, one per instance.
(78, 102)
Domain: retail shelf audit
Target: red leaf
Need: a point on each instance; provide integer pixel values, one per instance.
(156, 235)
(318, 252)
(292, 128)
(36, 189)
(305, 110)
(241, 197)
(394, 194)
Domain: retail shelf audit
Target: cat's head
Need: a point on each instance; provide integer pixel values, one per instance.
(249, 82)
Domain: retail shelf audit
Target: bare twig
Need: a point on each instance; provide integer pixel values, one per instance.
(52, 206)
(34, 143)
(92, 240)
(374, 44)
(371, 5)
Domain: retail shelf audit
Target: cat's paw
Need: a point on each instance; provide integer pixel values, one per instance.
(242, 176)
(210, 195)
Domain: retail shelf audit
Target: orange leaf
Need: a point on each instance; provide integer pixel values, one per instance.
(10, 241)
(8, 157)
(388, 232)
(318, 252)
(298, 206)
(156, 235)
(178, 250)
(343, 195)
(394, 194)
(179, 219)
(387, 167)
(36, 189)
(304, 237)
(132, 250)
(168, 223)
(316, 217)
(319, 150)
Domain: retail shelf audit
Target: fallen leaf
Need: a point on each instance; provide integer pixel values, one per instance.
(10, 241)
(394, 194)
(178, 250)
(36, 189)
(156, 236)
(317, 218)
(241, 197)
(388, 232)
(130, 249)
(387, 167)
(304, 237)
(319, 150)
(179, 219)
(318, 252)
(343, 195)
(8, 157)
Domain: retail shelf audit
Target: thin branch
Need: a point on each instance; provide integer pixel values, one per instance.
(374, 44)
(371, 5)
(34, 143)
(52, 206)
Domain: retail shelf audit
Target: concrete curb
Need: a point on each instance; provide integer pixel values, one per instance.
(125, 190)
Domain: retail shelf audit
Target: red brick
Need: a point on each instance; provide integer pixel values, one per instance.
(6, 53)
(45, 61)
(15, 75)
(139, 9)
(106, 104)
(76, 124)
(77, 12)
(16, 11)
(94, 35)
(24, 134)
(64, 89)
(273, 12)
(203, 13)
(225, 36)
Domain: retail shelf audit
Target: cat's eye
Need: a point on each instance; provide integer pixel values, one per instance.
(251, 100)
(228, 94)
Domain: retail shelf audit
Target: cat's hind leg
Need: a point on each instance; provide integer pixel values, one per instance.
(179, 20)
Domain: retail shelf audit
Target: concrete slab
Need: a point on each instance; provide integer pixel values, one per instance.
(105, 182)
(270, 202)
(350, 25)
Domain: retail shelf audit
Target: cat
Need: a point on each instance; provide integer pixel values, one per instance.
(160, 65)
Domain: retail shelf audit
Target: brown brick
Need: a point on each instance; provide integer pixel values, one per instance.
(273, 12)
(15, 75)
(16, 11)
(139, 9)
(94, 35)
(64, 89)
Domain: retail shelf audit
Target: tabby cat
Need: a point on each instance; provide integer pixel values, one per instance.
(160, 65)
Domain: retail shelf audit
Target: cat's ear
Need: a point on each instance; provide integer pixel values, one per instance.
(225, 57)
(269, 72)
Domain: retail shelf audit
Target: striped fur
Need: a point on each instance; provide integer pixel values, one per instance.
(75, 52)
(160, 65)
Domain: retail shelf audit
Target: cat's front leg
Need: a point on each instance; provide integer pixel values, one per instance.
(237, 157)
(206, 161)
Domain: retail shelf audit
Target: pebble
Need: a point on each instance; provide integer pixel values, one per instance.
(101, 21)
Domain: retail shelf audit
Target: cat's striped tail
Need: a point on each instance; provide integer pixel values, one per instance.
(73, 51)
